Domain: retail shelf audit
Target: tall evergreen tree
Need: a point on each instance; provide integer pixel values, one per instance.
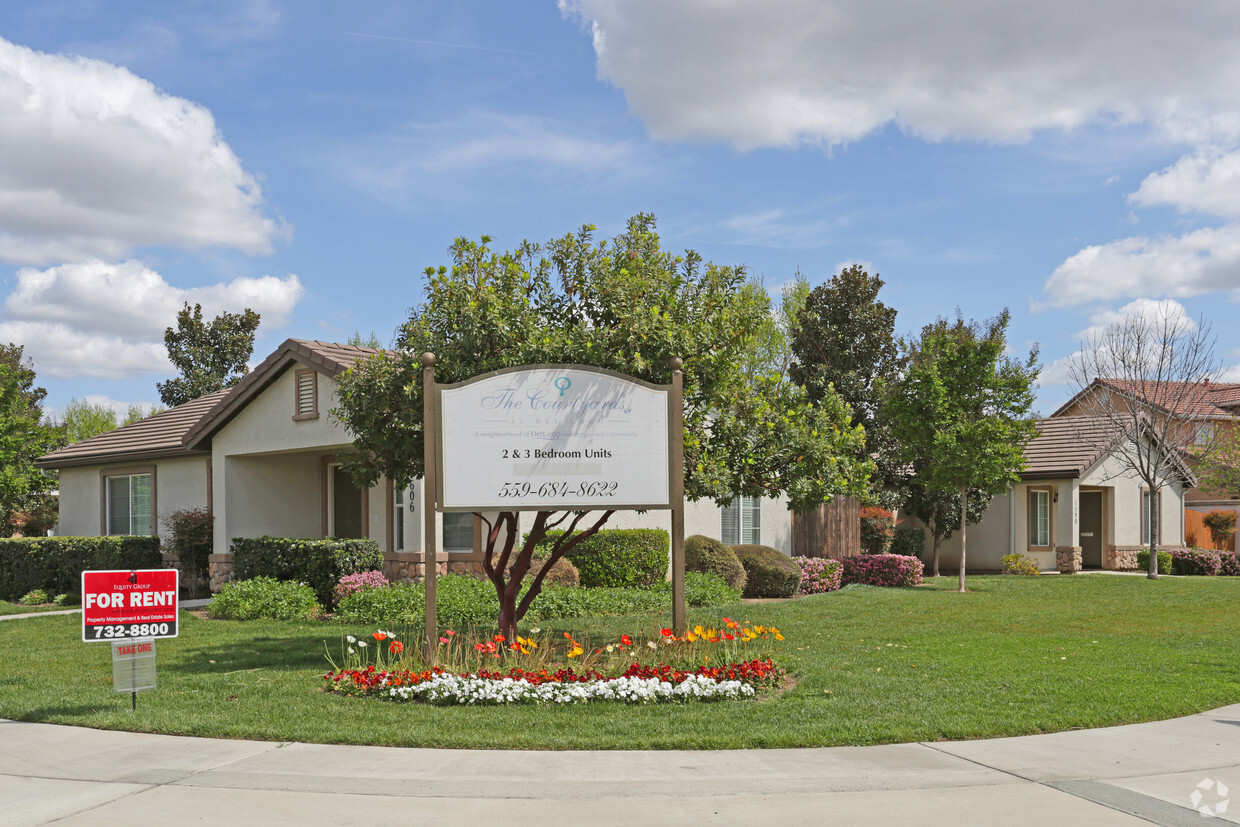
(210, 355)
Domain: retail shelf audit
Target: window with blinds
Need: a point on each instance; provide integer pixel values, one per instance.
(741, 521)
(306, 401)
(398, 519)
(458, 531)
(130, 503)
(1039, 518)
(1145, 517)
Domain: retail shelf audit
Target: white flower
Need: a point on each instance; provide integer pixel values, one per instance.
(361, 644)
(350, 638)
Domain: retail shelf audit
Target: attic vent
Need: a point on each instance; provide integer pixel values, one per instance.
(307, 398)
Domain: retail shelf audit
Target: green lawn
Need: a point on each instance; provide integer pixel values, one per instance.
(1014, 656)
(7, 608)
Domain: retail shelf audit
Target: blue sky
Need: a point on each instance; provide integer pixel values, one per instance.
(310, 159)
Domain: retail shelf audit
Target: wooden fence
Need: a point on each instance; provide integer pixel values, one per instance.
(832, 530)
(1196, 533)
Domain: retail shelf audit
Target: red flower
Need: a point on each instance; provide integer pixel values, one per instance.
(379, 636)
(396, 647)
(626, 640)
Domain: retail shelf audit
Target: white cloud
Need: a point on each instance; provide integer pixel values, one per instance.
(107, 320)
(97, 161)
(1166, 311)
(756, 73)
(1206, 182)
(410, 164)
(1201, 261)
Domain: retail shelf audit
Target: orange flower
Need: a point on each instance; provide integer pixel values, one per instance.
(396, 647)
(379, 636)
(626, 640)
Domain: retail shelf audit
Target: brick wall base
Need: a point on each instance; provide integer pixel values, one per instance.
(409, 567)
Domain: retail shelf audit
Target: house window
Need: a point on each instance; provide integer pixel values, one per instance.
(1145, 517)
(1039, 518)
(129, 504)
(398, 519)
(306, 394)
(742, 521)
(1205, 434)
(458, 531)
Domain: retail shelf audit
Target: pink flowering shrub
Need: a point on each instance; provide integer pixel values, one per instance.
(1195, 561)
(882, 570)
(819, 575)
(354, 583)
(1229, 563)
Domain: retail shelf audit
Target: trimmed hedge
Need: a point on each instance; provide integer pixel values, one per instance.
(819, 574)
(55, 564)
(882, 570)
(1194, 561)
(709, 556)
(264, 598)
(768, 572)
(1164, 561)
(321, 563)
(617, 557)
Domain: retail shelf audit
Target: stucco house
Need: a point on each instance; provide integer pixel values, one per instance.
(263, 457)
(1075, 506)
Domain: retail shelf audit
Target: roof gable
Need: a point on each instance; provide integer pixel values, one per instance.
(328, 358)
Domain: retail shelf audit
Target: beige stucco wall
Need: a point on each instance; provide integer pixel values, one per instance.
(179, 483)
(988, 540)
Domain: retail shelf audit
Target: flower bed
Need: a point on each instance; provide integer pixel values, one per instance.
(819, 575)
(638, 685)
(534, 670)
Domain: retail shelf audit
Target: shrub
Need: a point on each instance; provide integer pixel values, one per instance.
(65, 599)
(1222, 524)
(1020, 564)
(563, 573)
(882, 570)
(562, 602)
(320, 563)
(1229, 563)
(768, 572)
(187, 534)
(351, 583)
(34, 597)
(1164, 561)
(703, 589)
(400, 603)
(265, 598)
(910, 541)
(1195, 561)
(618, 557)
(705, 554)
(819, 574)
(461, 601)
(55, 564)
(878, 526)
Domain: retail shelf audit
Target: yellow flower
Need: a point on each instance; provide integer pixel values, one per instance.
(575, 651)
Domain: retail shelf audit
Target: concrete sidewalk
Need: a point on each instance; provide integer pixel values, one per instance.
(1140, 774)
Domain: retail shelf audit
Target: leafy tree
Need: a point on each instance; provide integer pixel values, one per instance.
(210, 355)
(371, 340)
(82, 419)
(625, 305)
(770, 347)
(1218, 470)
(24, 437)
(136, 413)
(961, 411)
(844, 341)
(939, 511)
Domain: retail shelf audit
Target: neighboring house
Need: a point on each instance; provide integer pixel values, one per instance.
(263, 457)
(1209, 410)
(1074, 506)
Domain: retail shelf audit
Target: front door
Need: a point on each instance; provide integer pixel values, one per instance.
(346, 505)
(1091, 528)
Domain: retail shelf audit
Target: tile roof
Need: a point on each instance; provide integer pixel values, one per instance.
(156, 436)
(1067, 446)
(1211, 400)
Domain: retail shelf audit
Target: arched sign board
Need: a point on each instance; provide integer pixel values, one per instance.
(554, 438)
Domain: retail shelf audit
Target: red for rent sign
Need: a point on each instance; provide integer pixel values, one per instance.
(129, 604)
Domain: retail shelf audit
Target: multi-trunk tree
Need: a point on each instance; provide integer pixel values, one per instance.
(961, 411)
(626, 305)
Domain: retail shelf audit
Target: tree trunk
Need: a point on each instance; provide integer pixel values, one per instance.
(938, 540)
(964, 521)
(1149, 525)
